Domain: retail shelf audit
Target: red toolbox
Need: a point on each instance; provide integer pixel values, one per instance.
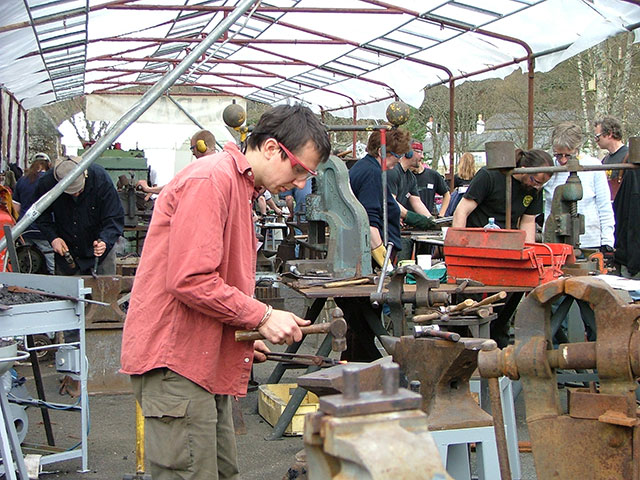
(501, 257)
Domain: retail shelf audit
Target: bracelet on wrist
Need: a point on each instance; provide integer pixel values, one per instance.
(265, 317)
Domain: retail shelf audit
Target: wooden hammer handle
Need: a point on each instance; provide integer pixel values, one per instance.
(251, 335)
(491, 299)
(461, 306)
(426, 317)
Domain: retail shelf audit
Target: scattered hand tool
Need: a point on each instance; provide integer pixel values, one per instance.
(420, 331)
(489, 300)
(303, 359)
(442, 220)
(461, 306)
(15, 289)
(428, 317)
(350, 282)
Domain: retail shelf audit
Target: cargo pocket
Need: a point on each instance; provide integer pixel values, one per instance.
(167, 437)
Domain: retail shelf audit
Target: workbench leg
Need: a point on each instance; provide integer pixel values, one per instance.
(298, 395)
(364, 325)
(312, 314)
(37, 378)
(10, 444)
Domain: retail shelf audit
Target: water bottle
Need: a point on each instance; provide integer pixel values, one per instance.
(492, 224)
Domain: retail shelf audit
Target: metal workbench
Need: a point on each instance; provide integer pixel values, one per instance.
(53, 316)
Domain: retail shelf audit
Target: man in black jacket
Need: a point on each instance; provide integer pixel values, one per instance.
(84, 222)
(627, 213)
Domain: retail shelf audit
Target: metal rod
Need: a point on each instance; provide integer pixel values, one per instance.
(127, 119)
(576, 168)
(508, 200)
(37, 377)
(188, 115)
(385, 207)
(498, 425)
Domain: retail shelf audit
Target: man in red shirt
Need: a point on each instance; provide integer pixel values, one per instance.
(194, 288)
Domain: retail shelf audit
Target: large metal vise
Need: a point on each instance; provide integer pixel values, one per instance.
(333, 204)
(598, 435)
(376, 435)
(565, 224)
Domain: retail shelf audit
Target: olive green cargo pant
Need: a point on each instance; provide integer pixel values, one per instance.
(189, 432)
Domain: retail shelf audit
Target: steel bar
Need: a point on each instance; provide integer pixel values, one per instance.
(127, 119)
(498, 425)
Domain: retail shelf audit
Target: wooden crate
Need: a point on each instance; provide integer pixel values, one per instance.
(272, 400)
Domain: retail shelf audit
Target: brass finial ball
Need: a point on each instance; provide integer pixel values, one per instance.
(398, 113)
(234, 115)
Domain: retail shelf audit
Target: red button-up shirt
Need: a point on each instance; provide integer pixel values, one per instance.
(194, 285)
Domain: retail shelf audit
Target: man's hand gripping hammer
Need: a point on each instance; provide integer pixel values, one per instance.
(337, 328)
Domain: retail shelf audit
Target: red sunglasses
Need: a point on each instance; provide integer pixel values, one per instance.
(295, 161)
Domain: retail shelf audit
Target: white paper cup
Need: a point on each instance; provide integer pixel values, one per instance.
(424, 261)
(444, 232)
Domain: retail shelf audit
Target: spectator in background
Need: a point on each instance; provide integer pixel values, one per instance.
(429, 182)
(296, 200)
(466, 170)
(608, 135)
(566, 140)
(365, 178)
(203, 142)
(595, 205)
(17, 171)
(461, 181)
(24, 196)
(264, 200)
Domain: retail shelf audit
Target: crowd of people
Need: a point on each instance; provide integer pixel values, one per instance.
(195, 281)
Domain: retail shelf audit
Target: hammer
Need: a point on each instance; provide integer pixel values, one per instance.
(337, 328)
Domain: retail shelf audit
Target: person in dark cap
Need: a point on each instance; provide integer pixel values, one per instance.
(84, 222)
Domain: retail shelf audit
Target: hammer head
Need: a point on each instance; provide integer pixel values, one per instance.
(338, 330)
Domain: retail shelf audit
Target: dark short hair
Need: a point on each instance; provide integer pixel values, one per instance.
(398, 141)
(609, 126)
(533, 158)
(293, 126)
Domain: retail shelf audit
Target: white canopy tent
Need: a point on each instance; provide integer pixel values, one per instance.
(325, 53)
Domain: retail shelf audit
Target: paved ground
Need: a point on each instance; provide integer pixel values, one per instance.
(112, 433)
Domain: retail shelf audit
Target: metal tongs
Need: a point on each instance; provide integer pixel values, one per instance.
(303, 359)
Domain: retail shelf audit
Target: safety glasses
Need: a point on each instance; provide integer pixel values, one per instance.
(295, 161)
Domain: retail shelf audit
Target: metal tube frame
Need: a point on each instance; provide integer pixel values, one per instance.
(127, 119)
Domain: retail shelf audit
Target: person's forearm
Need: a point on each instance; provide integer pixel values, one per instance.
(459, 219)
(419, 207)
(529, 229)
(376, 239)
(445, 204)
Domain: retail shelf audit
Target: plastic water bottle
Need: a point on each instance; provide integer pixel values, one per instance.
(492, 224)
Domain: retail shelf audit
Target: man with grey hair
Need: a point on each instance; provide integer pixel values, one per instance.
(595, 205)
(608, 135)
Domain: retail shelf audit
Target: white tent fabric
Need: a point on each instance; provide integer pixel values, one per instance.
(326, 53)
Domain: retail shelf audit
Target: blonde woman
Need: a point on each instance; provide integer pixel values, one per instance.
(466, 170)
(461, 180)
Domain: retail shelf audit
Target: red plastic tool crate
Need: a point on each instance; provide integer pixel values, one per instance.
(501, 257)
